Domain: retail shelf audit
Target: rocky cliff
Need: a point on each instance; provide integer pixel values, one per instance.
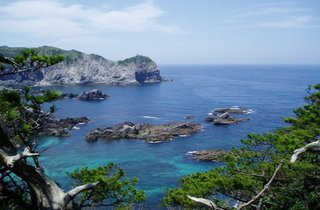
(81, 68)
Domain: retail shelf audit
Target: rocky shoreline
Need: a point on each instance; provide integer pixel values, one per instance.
(60, 127)
(146, 132)
(208, 155)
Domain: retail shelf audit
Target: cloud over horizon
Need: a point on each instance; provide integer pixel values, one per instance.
(275, 15)
(58, 20)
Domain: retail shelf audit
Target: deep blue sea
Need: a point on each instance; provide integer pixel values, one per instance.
(272, 91)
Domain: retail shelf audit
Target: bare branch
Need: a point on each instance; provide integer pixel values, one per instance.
(206, 202)
(14, 72)
(72, 193)
(10, 160)
(7, 60)
(265, 188)
(313, 146)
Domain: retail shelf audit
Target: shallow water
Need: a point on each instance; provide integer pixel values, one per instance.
(272, 92)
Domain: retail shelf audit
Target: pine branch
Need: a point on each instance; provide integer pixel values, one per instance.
(265, 188)
(313, 146)
(72, 193)
(205, 202)
(9, 160)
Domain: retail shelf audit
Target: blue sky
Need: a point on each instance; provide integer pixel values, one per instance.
(170, 31)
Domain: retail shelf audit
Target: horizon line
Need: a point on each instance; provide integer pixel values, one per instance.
(238, 64)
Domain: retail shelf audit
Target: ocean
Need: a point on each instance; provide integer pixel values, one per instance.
(271, 91)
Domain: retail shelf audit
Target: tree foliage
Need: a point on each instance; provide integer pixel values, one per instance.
(113, 188)
(248, 168)
(28, 60)
(23, 183)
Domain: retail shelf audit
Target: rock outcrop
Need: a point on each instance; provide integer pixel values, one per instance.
(68, 95)
(147, 132)
(224, 119)
(208, 155)
(92, 95)
(81, 68)
(216, 118)
(233, 110)
(54, 127)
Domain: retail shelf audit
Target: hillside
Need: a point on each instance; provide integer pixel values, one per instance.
(81, 68)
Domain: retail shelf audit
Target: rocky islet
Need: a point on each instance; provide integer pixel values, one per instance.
(147, 132)
(59, 127)
(208, 155)
(222, 116)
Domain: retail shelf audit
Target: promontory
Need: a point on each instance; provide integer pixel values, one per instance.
(81, 68)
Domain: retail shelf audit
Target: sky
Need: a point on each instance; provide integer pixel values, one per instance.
(170, 31)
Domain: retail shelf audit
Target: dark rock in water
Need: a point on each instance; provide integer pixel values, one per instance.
(71, 122)
(189, 117)
(212, 117)
(208, 155)
(59, 128)
(233, 110)
(92, 95)
(226, 118)
(68, 95)
(208, 119)
(147, 132)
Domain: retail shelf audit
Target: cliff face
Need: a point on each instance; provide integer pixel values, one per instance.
(81, 68)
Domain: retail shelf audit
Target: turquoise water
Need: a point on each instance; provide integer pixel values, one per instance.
(271, 91)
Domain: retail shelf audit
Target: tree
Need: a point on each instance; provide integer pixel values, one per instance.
(111, 191)
(259, 174)
(23, 182)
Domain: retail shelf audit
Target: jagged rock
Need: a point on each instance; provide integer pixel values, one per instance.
(212, 117)
(226, 118)
(208, 155)
(233, 110)
(147, 132)
(92, 95)
(68, 95)
(71, 122)
(81, 68)
(53, 127)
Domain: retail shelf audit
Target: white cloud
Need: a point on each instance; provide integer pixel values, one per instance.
(294, 22)
(270, 11)
(275, 15)
(55, 19)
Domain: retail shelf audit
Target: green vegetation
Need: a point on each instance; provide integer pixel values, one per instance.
(11, 51)
(45, 51)
(248, 171)
(15, 111)
(23, 182)
(24, 60)
(113, 189)
(138, 59)
(34, 57)
(248, 168)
